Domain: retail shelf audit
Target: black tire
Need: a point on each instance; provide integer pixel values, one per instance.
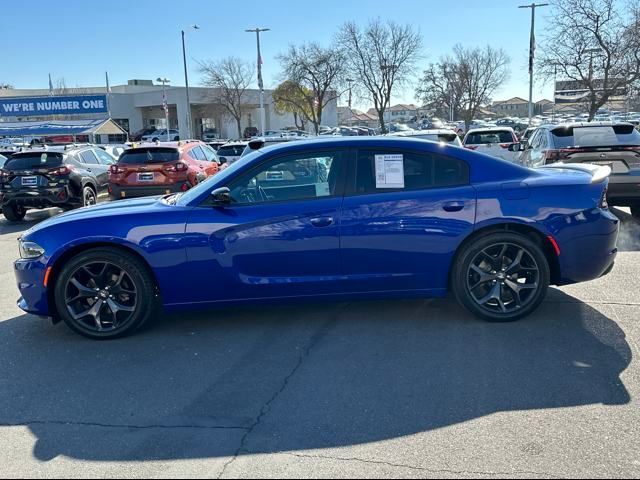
(14, 213)
(176, 139)
(635, 212)
(155, 140)
(89, 196)
(508, 296)
(133, 293)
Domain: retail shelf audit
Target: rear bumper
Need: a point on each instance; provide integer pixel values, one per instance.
(118, 192)
(624, 192)
(40, 198)
(588, 249)
(30, 279)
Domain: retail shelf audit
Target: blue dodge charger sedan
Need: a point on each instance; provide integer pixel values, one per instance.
(332, 219)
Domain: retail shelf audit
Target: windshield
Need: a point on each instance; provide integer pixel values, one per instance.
(489, 137)
(33, 160)
(217, 179)
(149, 155)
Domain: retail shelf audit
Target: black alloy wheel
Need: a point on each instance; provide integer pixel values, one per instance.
(104, 293)
(501, 277)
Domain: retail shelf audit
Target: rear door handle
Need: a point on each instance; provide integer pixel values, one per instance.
(453, 206)
(321, 222)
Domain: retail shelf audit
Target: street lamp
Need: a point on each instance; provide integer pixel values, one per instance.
(350, 82)
(165, 106)
(257, 31)
(186, 80)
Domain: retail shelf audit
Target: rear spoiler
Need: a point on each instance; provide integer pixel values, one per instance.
(599, 173)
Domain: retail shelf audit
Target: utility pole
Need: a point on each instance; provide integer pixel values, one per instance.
(350, 83)
(257, 31)
(186, 81)
(532, 52)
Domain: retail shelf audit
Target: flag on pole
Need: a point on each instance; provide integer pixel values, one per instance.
(165, 106)
(532, 52)
(50, 86)
(260, 82)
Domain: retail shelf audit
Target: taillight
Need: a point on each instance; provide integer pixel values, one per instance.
(184, 187)
(177, 167)
(506, 145)
(115, 169)
(471, 147)
(60, 172)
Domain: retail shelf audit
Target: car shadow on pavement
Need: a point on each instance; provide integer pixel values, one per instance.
(299, 377)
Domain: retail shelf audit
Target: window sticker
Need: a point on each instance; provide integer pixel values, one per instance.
(389, 171)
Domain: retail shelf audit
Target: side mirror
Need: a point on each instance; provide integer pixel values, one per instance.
(223, 160)
(221, 196)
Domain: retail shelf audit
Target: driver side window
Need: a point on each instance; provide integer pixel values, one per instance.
(304, 176)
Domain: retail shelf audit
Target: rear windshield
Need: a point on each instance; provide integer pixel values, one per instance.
(485, 138)
(34, 160)
(141, 156)
(595, 136)
(231, 150)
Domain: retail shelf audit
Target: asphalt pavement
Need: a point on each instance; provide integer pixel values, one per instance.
(415, 389)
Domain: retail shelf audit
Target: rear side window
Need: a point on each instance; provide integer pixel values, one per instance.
(89, 157)
(197, 154)
(210, 154)
(34, 160)
(104, 158)
(379, 172)
(149, 155)
(489, 137)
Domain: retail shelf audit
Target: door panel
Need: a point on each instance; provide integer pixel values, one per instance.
(266, 250)
(404, 240)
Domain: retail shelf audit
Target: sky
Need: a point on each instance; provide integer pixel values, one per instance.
(141, 38)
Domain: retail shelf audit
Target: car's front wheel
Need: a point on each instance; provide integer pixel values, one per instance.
(501, 277)
(14, 213)
(104, 293)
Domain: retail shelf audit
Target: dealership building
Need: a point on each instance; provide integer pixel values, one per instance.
(139, 104)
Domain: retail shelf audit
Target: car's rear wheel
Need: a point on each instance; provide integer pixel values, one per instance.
(104, 293)
(14, 213)
(501, 277)
(635, 212)
(89, 197)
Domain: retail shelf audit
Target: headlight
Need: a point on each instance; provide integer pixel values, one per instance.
(30, 250)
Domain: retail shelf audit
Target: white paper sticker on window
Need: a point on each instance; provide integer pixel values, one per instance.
(389, 171)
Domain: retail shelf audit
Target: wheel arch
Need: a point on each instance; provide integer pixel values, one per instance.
(537, 235)
(57, 263)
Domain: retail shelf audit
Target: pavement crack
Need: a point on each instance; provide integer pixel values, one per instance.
(315, 339)
(421, 469)
(124, 426)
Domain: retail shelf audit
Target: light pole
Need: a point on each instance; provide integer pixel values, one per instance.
(350, 82)
(257, 31)
(532, 52)
(186, 81)
(165, 106)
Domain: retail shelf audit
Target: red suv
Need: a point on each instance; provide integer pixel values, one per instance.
(161, 168)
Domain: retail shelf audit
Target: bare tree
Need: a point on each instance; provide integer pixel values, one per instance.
(595, 44)
(381, 56)
(230, 78)
(466, 80)
(314, 73)
(6, 86)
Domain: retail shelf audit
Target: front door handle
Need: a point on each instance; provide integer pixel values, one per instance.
(321, 222)
(453, 206)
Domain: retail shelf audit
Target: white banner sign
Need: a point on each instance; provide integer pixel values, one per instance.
(389, 171)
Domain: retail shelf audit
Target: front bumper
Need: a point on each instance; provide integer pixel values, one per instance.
(30, 279)
(119, 192)
(40, 198)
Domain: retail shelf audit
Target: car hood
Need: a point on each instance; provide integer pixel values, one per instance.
(111, 209)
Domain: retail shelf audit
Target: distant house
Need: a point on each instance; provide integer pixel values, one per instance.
(519, 107)
(358, 118)
(514, 107)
